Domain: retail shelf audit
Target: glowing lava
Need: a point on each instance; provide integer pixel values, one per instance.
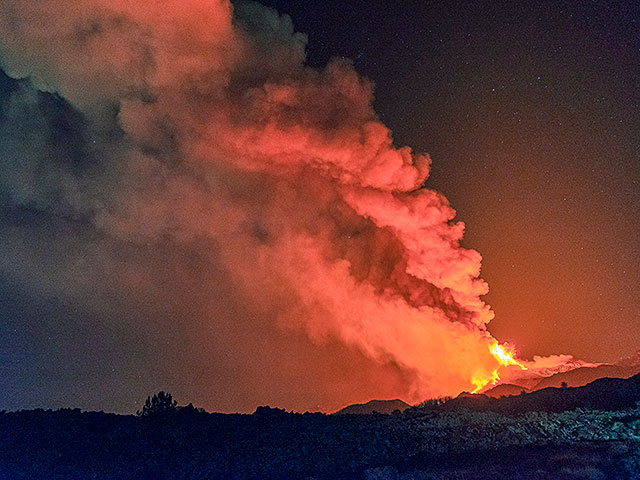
(504, 355)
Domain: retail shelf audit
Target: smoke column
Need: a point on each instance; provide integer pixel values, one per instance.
(179, 160)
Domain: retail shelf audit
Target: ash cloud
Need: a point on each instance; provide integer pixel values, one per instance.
(239, 227)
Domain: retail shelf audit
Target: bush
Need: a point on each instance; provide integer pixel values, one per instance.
(160, 404)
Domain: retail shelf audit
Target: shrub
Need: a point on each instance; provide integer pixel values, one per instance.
(160, 404)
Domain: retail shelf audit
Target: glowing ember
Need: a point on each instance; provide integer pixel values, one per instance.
(504, 355)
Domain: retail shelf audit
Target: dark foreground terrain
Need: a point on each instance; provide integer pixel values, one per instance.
(451, 441)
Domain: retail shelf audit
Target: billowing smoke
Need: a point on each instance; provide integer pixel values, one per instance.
(240, 226)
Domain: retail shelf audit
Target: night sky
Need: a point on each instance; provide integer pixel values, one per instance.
(160, 230)
(530, 113)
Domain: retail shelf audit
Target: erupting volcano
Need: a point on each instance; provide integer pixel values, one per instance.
(189, 180)
(505, 356)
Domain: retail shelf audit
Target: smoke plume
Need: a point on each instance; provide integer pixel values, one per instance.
(238, 226)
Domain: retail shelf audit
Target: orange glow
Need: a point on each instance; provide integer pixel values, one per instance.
(504, 354)
(505, 357)
(292, 222)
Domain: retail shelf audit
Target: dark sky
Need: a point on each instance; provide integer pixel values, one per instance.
(530, 112)
(185, 206)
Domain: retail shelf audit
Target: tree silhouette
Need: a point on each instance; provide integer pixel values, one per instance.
(161, 403)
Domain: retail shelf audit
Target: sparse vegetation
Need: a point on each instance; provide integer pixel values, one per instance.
(275, 444)
(434, 402)
(433, 441)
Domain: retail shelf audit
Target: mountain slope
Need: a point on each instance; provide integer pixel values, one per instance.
(505, 390)
(380, 406)
(601, 394)
(584, 375)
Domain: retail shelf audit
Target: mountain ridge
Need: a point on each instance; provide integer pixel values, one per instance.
(373, 406)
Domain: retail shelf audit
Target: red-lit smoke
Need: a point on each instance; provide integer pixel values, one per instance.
(213, 132)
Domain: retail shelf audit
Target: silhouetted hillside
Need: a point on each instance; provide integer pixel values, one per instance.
(433, 443)
(581, 373)
(373, 406)
(505, 390)
(604, 393)
(584, 375)
(558, 433)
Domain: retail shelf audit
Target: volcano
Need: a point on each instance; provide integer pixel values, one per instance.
(579, 376)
